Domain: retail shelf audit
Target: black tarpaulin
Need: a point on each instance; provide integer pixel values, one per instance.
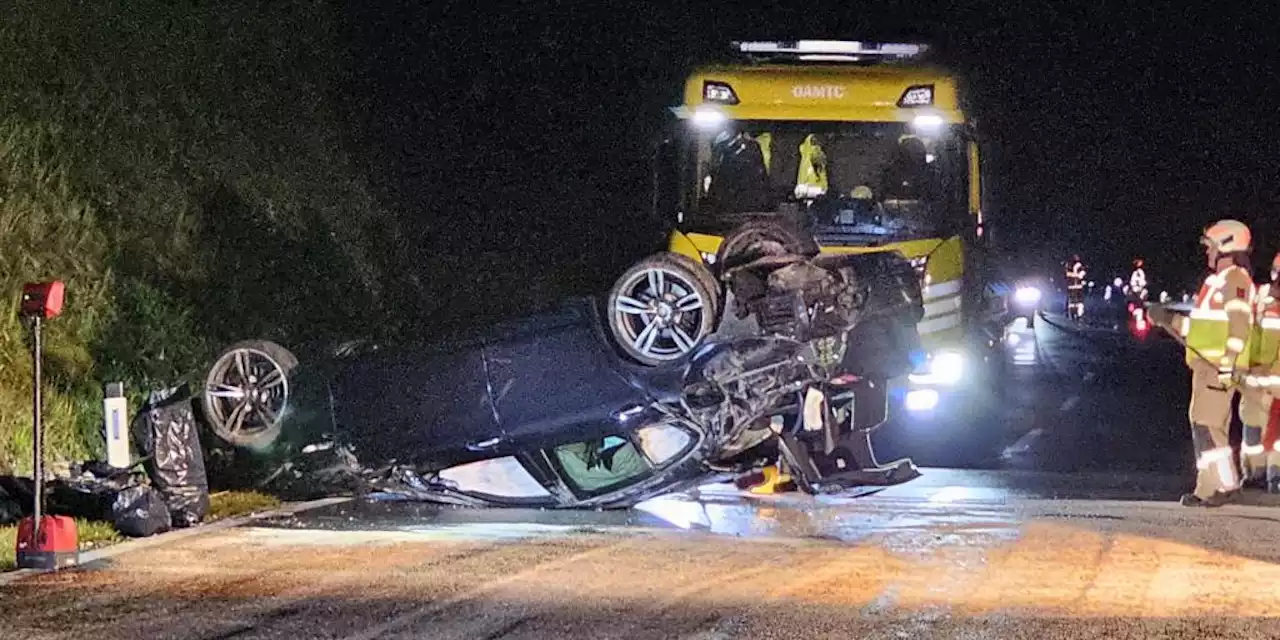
(170, 441)
(140, 511)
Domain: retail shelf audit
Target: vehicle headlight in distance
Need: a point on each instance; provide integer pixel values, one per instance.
(922, 400)
(947, 367)
(1027, 295)
(944, 368)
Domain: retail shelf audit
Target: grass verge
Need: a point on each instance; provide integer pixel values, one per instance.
(95, 535)
(229, 504)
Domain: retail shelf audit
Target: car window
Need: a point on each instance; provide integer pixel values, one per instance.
(502, 477)
(662, 443)
(601, 464)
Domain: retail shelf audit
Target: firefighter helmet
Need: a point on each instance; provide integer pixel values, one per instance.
(1227, 236)
(1137, 263)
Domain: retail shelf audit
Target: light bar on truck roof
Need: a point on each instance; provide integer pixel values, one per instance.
(833, 48)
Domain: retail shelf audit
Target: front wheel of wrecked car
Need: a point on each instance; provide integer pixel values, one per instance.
(662, 308)
(246, 393)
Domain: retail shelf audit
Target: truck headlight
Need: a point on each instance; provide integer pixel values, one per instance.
(944, 368)
(709, 258)
(922, 400)
(1027, 295)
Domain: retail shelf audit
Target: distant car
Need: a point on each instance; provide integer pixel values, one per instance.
(1026, 297)
(584, 407)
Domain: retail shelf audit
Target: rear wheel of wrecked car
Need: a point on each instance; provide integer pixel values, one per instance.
(246, 392)
(662, 308)
(755, 240)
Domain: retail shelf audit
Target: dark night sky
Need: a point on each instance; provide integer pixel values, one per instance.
(1121, 130)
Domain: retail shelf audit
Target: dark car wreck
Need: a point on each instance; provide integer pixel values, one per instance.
(786, 354)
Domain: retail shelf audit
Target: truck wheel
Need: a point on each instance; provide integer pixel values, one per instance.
(662, 308)
(246, 392)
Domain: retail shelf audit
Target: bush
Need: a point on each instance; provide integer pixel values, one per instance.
(181, 167)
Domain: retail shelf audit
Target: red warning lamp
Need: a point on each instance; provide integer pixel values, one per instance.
(42, 299)
(47, 542)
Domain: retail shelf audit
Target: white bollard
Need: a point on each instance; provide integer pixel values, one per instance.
(115, 424)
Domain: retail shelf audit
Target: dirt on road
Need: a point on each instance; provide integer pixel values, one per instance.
(1062, 572)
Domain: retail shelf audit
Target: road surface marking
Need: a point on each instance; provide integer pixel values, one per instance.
(1023, 445)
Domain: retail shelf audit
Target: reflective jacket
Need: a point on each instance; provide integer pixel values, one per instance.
(1075, 276)
(1138, 281)
(1264, 343)
(1221, 321)
(811, 179)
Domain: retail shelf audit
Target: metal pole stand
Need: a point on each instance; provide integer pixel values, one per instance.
(37, 415)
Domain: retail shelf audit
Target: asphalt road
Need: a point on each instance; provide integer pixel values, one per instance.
(1091, 398)
(1061, 523)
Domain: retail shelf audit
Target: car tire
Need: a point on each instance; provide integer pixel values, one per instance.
(756, 239)
(655, 328)
(260, 370)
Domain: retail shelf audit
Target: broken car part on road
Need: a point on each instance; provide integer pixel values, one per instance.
(782, 355)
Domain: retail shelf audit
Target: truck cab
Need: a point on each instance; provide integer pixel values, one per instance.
(866, 146)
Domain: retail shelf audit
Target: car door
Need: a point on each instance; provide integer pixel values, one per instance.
(555, 375)
(424, 406)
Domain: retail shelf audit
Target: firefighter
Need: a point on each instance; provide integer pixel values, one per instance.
(1217, 333)
(811, 178)
(738, 176)
(1075, 287)
(1138, 282)
(1259, 451)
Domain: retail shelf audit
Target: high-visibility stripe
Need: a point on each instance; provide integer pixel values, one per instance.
(1235, 344)
(1262, 382)
(1239, 304)
(1213, 455)
(1209, 314)
(1227, 473)
(940, 323)
(1271, 323)
(1253, 449)
(942, 306)
(941, 289)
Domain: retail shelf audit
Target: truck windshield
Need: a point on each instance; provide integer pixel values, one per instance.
(849, 179)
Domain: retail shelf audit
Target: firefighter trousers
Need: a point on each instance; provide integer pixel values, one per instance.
(1259, 454)
(1210, 433)
(1075, 300)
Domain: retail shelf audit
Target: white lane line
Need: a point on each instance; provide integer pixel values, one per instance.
(1023, 445)
(1070, 403)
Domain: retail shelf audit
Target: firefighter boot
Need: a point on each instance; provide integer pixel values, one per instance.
(1273, 475)
(1216, 481)
(1218, 499)
(1253, 457)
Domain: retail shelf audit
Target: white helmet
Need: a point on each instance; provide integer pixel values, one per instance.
(1228, 236)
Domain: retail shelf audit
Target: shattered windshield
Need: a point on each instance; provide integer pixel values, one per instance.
(865, 178)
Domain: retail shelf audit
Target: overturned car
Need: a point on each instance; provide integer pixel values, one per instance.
(681, 375)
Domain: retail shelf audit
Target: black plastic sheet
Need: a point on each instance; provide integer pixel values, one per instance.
(170, 441)
(10, 509)
(140, 511)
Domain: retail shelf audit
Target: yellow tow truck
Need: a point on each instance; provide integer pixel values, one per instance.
(867, 146)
